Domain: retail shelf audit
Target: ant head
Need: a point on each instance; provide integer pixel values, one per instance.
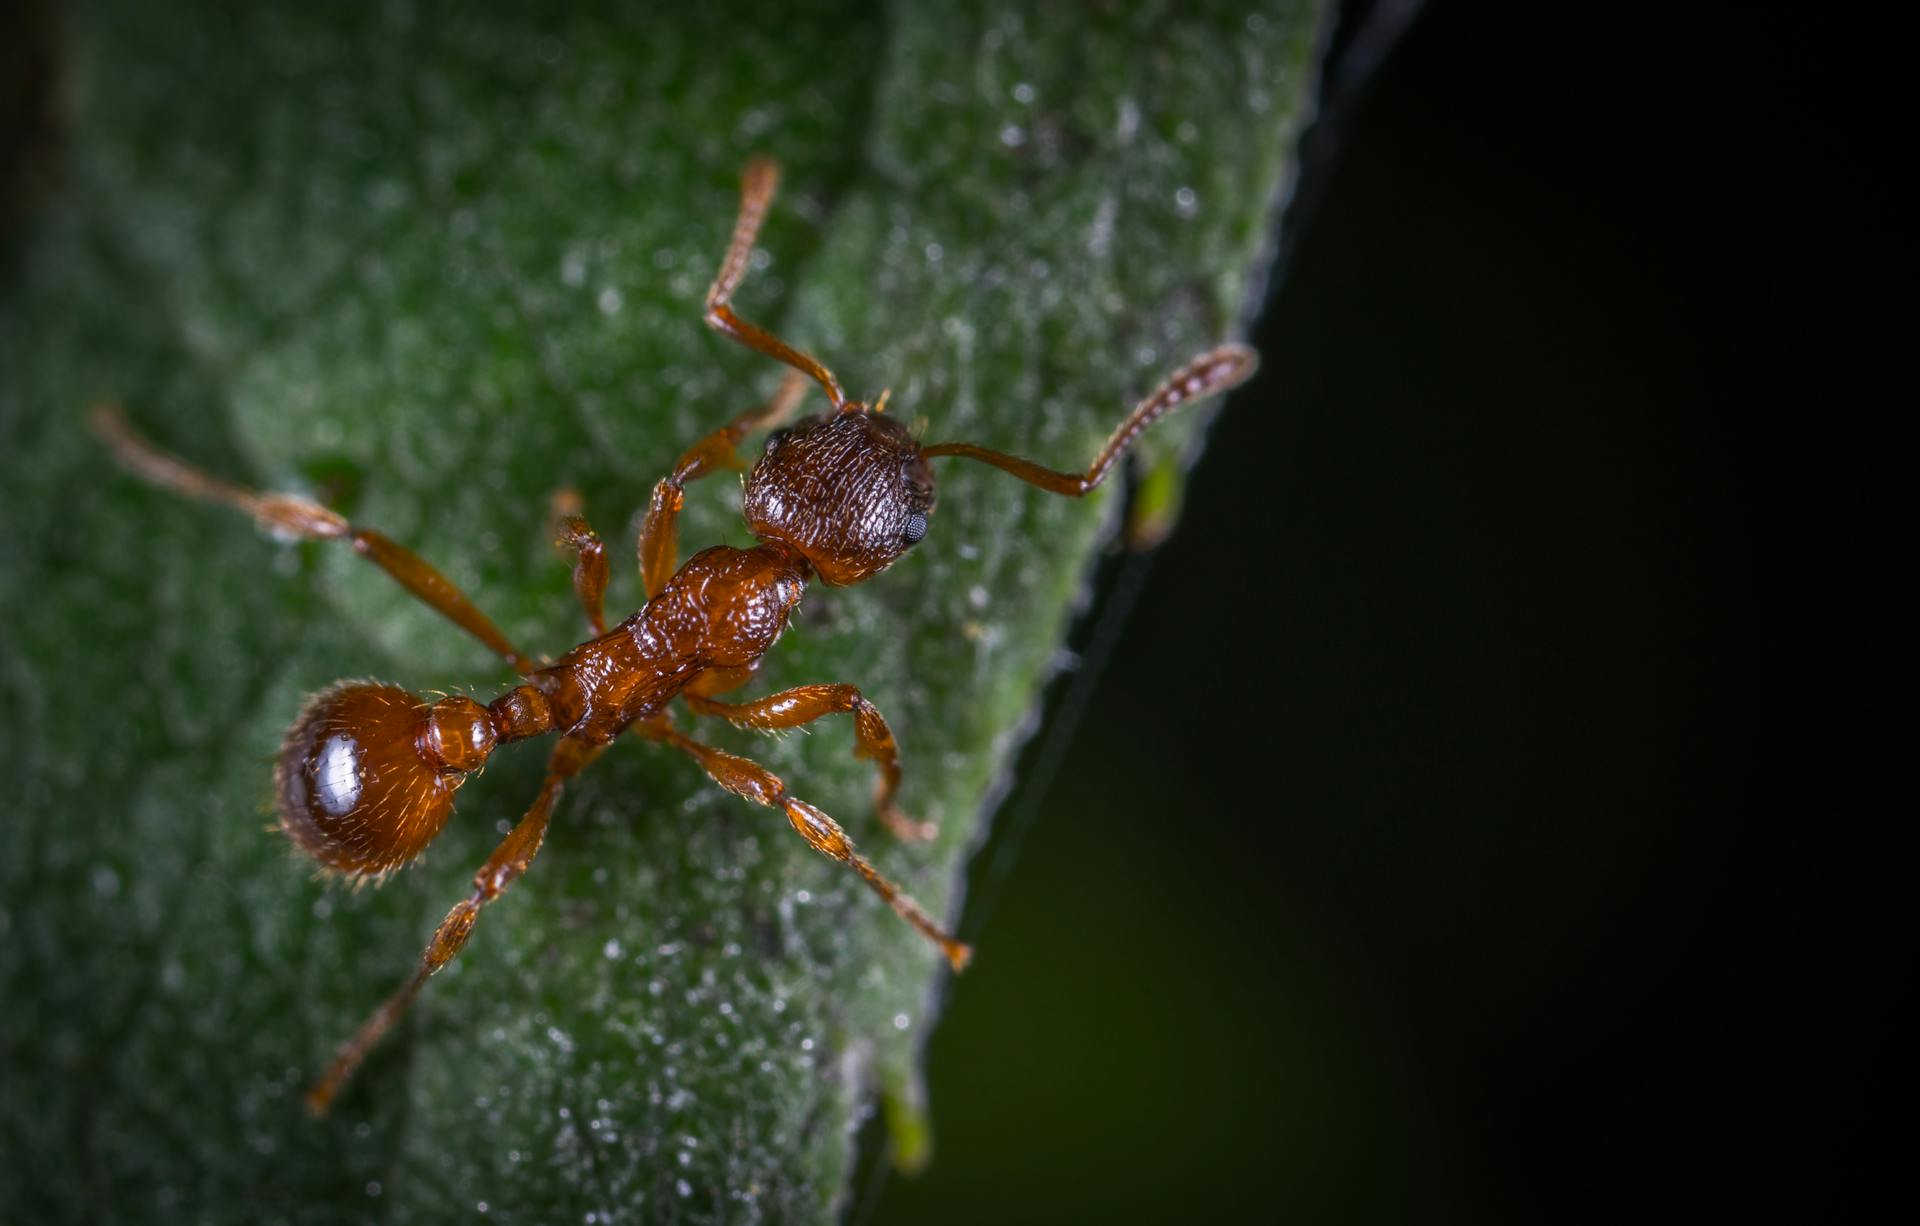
(848, 489)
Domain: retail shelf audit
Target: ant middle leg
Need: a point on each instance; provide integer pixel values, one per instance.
(508, 861)
(572, 532)
(659, 544)
(752, 781)
(757, 185)
(873, 740)
(290, 515)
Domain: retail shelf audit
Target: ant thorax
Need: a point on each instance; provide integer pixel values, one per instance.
(849, 490)
(724, 609)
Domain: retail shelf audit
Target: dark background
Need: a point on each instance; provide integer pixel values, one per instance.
(1486, 813)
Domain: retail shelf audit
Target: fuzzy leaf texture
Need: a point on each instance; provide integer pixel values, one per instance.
(431, 262)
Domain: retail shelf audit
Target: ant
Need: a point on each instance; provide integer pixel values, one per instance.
(367, 775)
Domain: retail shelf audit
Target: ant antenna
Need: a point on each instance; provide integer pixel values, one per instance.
(757, 185)
(1209, 374)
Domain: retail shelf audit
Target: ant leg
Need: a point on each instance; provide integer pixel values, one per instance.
(1209, 374)
(747, 778)
(757, 184)
(873, 739)
(288, 515)
(659, 545)
(503, 867)
(572, 532)
(720, 680)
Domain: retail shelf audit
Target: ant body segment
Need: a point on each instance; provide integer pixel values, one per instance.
(367, 775)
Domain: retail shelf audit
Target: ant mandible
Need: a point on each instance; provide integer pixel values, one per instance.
(367, 775)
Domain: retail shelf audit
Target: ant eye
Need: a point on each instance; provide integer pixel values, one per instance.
(776, 438)
(916, 528)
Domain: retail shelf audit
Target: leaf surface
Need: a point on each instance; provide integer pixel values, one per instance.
(431, 264)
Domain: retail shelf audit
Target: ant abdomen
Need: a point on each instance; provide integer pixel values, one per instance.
(367, 774)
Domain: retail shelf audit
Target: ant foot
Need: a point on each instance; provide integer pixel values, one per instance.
(908, 829)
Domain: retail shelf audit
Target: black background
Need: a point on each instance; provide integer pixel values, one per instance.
(1487, 813)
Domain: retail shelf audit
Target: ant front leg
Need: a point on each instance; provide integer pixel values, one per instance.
(873, 739)
(289, 515)
(508, 861)
(571, 532)
(747, 778)
(659, 545)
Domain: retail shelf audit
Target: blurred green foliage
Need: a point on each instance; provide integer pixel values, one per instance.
(433, 263)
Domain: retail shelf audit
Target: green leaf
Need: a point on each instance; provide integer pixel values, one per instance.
(432, 263)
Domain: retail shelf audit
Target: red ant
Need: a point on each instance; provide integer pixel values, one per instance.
(366, 777)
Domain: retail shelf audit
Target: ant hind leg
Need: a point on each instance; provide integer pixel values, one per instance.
(873, 739)
(752, 781)
(508, 861)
